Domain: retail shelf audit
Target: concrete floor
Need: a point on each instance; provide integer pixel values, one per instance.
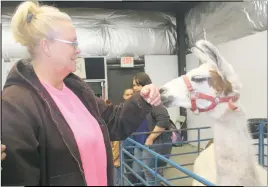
(181, 159)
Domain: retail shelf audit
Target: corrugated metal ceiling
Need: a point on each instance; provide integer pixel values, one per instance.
(175, 7)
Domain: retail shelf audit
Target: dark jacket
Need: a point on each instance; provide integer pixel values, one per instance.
(41, 148)
(160, 117)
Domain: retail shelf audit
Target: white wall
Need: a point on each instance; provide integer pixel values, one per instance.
(161, 69)
(248, 56)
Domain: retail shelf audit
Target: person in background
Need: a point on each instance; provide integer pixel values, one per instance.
(116, 144)
(128, 93)
(116, 157)
(155, 122)
(56, 131)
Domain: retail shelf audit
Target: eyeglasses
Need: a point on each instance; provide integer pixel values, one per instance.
(74, 44)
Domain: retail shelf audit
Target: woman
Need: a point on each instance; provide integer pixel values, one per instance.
(56, 131)
(156, 122)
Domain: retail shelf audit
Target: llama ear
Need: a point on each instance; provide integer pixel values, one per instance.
(205, 55)
(211, 54)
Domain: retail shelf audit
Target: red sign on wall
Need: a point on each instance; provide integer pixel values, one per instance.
(127, 62)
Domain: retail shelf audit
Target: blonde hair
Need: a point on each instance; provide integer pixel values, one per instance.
(32, 22)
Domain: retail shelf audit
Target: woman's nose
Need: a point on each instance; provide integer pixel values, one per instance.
(78, 51)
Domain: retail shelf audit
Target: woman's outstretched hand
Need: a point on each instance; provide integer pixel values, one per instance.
(151, 94)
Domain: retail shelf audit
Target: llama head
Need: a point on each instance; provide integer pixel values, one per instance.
(208, 85)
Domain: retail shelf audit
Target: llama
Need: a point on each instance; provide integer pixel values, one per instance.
(214, 88)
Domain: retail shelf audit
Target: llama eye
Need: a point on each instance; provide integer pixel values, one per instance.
(199, 78)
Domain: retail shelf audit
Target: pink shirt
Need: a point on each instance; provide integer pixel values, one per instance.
(87, 133)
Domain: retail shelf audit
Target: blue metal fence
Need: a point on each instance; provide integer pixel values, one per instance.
(126, 170)
(261, 143)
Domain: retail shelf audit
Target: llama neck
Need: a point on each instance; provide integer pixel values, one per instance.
(234, 155)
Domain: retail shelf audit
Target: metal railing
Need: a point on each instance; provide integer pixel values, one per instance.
(261, 144)
(126, 169)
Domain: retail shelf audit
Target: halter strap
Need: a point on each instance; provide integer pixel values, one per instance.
(194, 95)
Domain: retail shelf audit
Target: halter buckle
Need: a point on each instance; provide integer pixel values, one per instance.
(193, 95)
(217, 99)
(196, 112)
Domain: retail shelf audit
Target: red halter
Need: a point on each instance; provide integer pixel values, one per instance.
(194, 95)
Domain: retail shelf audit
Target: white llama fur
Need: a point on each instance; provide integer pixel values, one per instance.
(236, 161)
(231, 159)
(206, 160)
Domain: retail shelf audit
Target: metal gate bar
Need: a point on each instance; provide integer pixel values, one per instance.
(180, 167)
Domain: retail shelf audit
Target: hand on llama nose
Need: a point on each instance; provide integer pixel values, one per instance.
(150, 93)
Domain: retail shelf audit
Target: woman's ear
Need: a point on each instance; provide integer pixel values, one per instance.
(45, 46)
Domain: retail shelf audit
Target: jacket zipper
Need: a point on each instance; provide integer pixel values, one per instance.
(80, 168)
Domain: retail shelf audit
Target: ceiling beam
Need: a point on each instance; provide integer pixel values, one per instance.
(174, 7)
